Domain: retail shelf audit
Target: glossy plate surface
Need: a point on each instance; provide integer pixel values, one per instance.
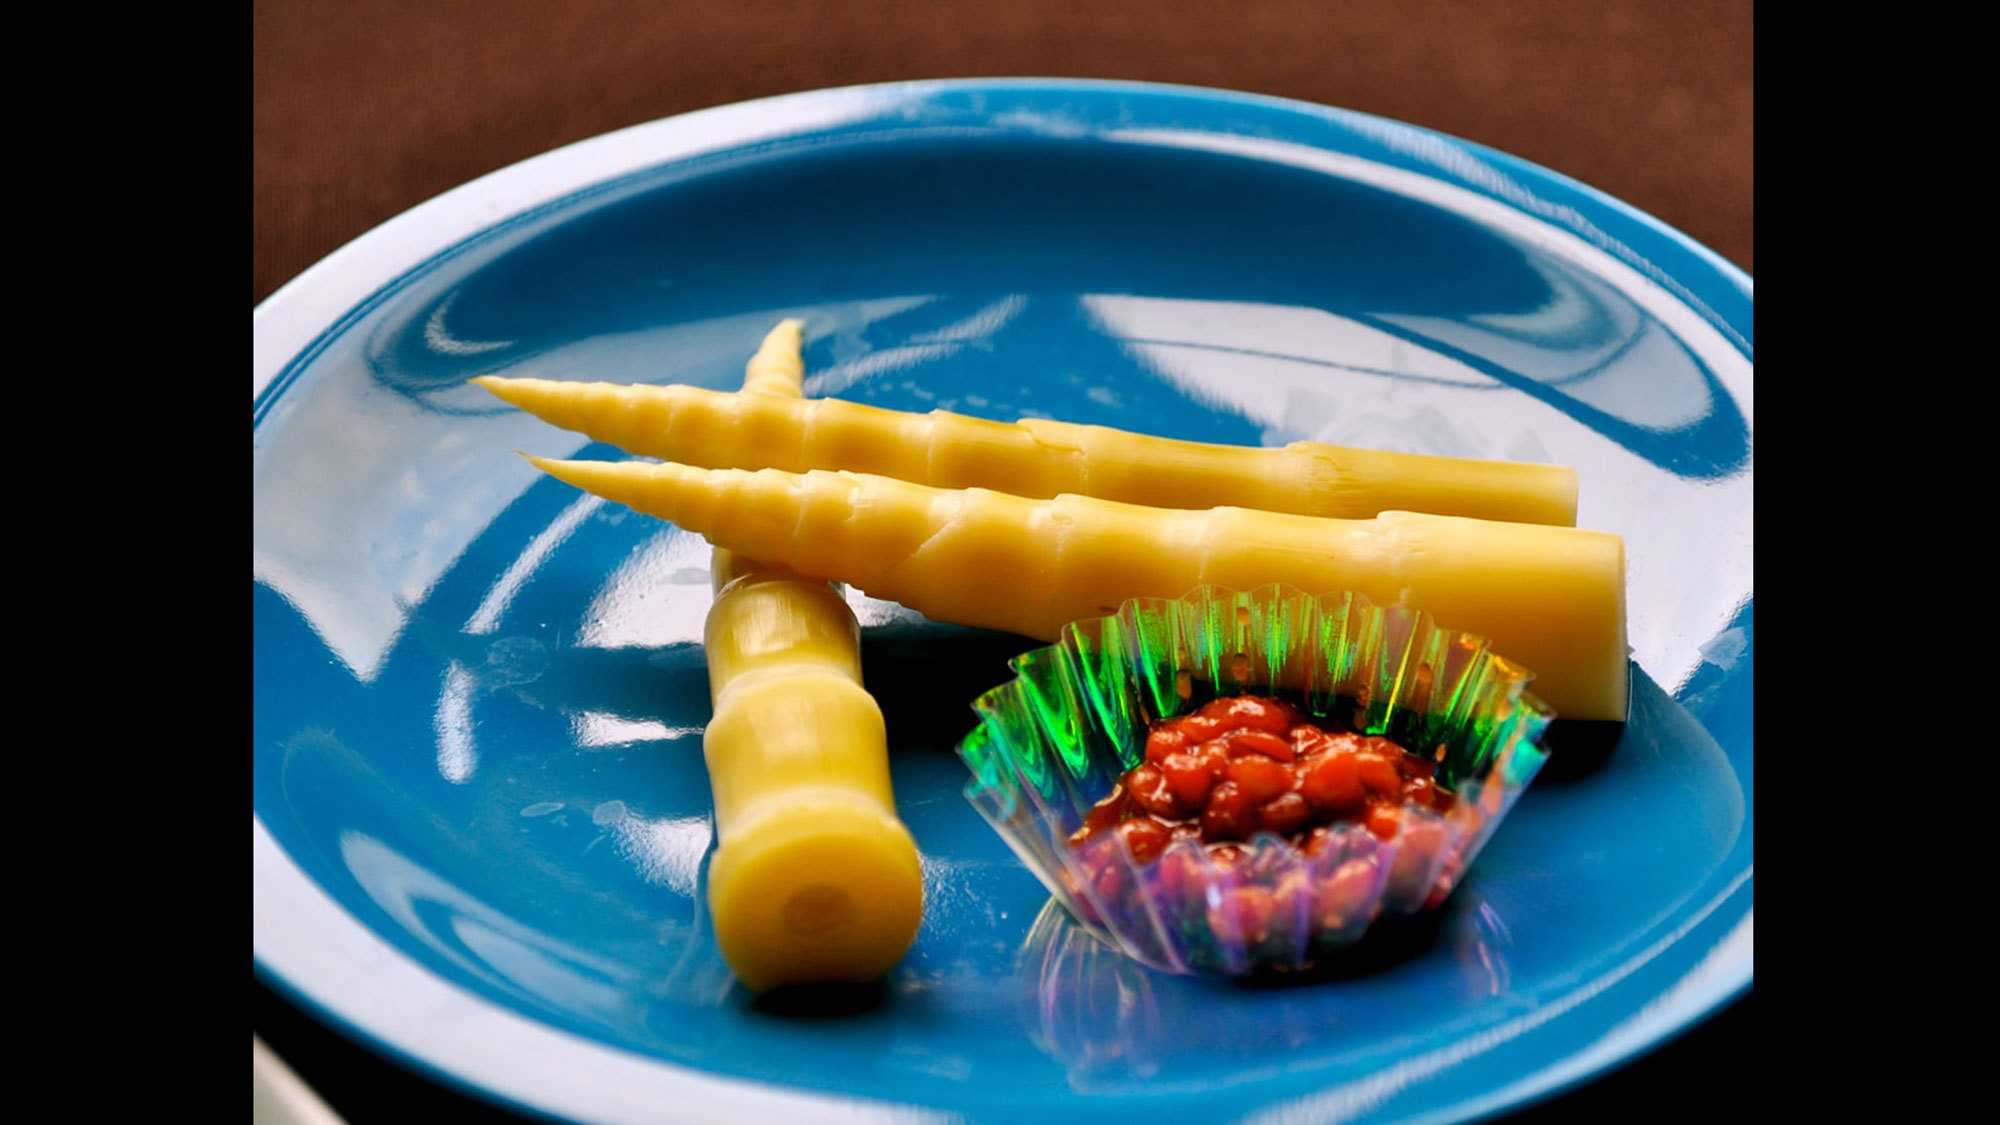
(481, 814)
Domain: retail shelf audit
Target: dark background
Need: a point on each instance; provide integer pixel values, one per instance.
(365, 108)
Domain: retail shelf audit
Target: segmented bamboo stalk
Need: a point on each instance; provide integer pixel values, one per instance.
(814, 878)
(1036, 457)
(1551, 598)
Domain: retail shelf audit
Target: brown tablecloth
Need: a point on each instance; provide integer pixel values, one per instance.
(365, 108)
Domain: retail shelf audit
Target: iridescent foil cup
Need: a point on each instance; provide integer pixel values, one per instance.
(1060, 735)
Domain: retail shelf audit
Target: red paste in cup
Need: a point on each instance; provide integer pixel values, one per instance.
(1245, 764)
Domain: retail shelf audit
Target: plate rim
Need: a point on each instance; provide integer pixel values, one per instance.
(314, 305)
(684, 134)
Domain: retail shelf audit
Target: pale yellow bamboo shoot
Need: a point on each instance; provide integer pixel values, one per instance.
(1551, 598)
(814, 879)
(1038, 458)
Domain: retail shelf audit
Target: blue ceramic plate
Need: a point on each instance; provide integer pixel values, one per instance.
(481, 815)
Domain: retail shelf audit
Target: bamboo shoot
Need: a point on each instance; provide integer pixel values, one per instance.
(1551, 598)
(814, 878)
(1035, 457)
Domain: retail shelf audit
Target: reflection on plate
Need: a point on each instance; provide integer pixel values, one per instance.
(479, 795)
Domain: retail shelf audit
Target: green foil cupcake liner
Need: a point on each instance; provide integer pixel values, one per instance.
(1057, 738)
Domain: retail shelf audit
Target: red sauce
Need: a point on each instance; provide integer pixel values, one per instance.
(1245, 764)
